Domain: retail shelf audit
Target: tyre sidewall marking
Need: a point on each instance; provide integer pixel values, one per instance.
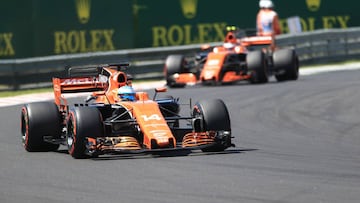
(73, 123)
(26, 118)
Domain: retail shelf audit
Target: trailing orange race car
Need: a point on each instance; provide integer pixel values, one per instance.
(241, 57)
(115, 119)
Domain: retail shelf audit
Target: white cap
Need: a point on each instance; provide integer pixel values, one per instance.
(266, 4)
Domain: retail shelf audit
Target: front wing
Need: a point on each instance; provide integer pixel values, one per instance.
(130, 145)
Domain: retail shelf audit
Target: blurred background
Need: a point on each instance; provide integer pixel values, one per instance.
(62, 33)
(49, 27)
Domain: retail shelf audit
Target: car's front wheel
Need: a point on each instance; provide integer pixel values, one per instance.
(174, 64)
(286, 62)
(215, 117)
(257, 66)
(83, 122)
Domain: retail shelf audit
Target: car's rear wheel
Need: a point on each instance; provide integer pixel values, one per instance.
(286, 62)
(174, 64)
(83, 122)
(215, 117)
(257, 66)
(37, 121)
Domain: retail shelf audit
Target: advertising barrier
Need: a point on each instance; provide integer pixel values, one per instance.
(42, 27)
(56, 27)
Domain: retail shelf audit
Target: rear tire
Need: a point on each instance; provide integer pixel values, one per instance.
(257, 66)
(286, 60)
(37, 121)
(215, 116)
(83, 122)
(174, 64)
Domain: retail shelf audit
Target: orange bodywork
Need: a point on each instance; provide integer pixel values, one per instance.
(185, 78)
(257, 40)
(151, 123)
(213, 66)
(232, 76)
(267, 41)
(196, 139)
(123, 142)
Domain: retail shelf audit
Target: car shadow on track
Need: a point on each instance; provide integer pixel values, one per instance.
(183, 153)
(234, 84)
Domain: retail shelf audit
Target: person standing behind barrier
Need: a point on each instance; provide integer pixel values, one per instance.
(267, 20)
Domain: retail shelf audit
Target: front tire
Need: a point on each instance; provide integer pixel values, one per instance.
(257, 66)
(83, 122)
(215, 117)
(287, 61)
(37, 121)
(174, 64)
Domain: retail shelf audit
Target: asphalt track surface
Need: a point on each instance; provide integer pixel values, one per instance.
(295, 142)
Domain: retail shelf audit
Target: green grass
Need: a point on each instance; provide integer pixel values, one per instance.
(22, 92)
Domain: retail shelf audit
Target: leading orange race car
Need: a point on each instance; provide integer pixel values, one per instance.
(115, 119)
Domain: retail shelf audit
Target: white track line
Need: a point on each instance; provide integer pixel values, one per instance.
(22, 99)
(330, 68)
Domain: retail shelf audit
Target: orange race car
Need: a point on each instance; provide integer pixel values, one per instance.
(115, 119)
(241, 57)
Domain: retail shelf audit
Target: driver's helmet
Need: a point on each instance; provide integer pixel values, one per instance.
(126, 93)
(266, 4)
(230, 38)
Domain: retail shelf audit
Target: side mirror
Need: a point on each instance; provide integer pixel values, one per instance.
(161, 89)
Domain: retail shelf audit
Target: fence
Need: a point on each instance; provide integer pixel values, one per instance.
(320, 46)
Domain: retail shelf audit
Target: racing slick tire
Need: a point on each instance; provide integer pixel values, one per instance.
(174, 64)
(286, 61)
(257, 66)
(83, 122)
(215, 117)
(37, 121)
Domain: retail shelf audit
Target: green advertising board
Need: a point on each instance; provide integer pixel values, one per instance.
(320, 14)
(16, 33)
(82, 26)
(51, 27)
(177, 22)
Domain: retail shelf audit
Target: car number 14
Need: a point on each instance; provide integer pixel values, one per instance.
(151, 117)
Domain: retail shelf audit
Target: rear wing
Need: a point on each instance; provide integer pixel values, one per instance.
(79, 84)
(76, 85)
(257, 40)
(94, 70)
(90, 79)
(259, 43)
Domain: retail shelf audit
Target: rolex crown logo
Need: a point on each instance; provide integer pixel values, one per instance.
(313, 5)
(83, 10)
(189, 8)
